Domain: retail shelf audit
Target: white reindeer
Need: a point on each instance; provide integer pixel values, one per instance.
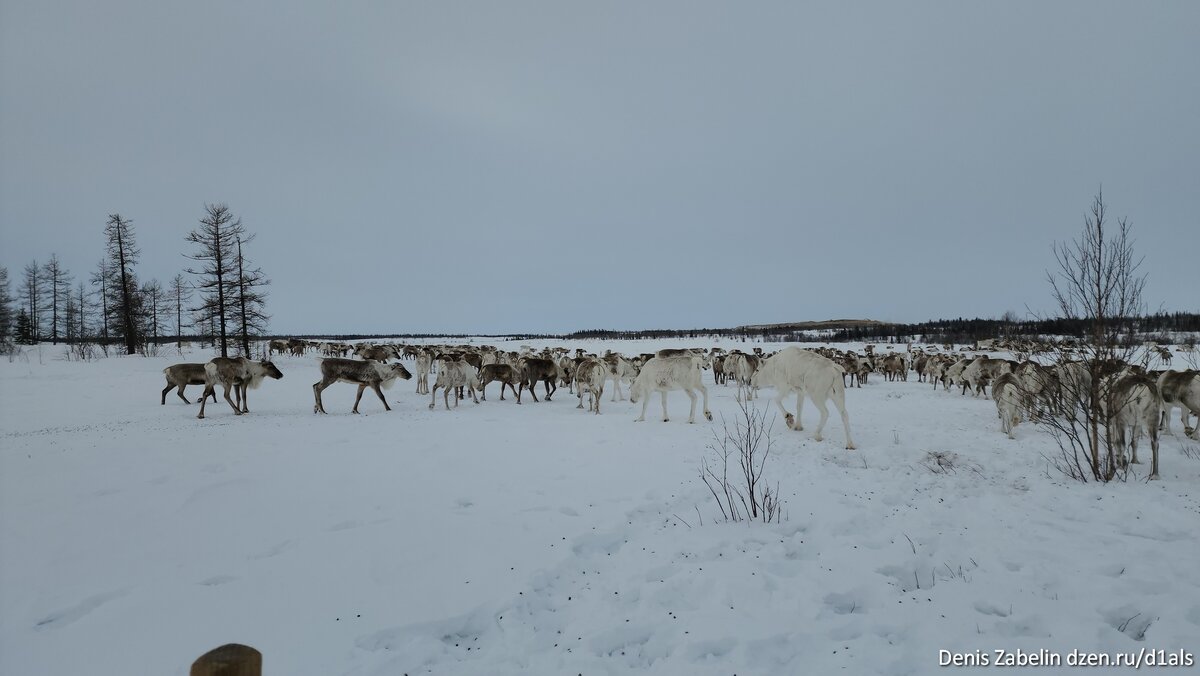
(663, 374)
(792, 370)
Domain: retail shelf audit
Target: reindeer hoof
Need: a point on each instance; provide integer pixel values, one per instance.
(818, 438)
(708, 416)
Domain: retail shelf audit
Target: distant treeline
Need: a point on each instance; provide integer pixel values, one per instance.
(960, 330)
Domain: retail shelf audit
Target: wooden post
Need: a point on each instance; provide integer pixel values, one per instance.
(229, 660)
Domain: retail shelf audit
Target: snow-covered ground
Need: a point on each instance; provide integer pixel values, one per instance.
(538, 539)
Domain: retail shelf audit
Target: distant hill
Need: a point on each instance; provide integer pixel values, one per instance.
(828, 324)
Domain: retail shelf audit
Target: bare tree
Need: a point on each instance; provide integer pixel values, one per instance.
(81, 303)
(58, 290)
(249, 309)
(125, 302)
(99, 279)
(154, 300)
(6, 311)
(180, 292)
(216, 238)
(70, 319)
(31, 297)
(1097, 279)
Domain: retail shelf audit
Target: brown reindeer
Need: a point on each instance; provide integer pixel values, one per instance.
(534, 369)
(379, 353)
(507, 375)
(240, 374)
(182, 375)
(362, 373)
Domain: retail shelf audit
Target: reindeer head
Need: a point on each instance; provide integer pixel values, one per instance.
(270, 370)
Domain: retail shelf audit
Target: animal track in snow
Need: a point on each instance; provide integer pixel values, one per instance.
(217, 580)
(65, 616)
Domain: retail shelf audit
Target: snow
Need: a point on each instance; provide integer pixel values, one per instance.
(504, 539)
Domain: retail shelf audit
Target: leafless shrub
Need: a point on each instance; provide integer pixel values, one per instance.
(742, 449)
(11, 350)
(1096, 279)
(946, 462)
(1190, 451)
(82, 350)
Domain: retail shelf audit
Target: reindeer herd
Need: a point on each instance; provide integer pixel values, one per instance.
(1022, 389)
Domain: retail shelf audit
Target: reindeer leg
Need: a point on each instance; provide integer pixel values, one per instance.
(358, 397)
(1133, 444)
(180, 393)
(379, 393)
(1153, 454)
(236, 409)
(820, 404)
(692, 413)
(245, 391)
(778, 399)
(318, 405)
(664, 406)
(645, 403)
(170, 386)
(204, 399)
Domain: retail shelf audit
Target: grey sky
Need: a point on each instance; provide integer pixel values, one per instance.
(549, 166)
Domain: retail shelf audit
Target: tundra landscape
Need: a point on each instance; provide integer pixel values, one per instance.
(666, 338)
(543, 538)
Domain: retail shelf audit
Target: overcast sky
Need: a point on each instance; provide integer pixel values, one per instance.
(550, 166)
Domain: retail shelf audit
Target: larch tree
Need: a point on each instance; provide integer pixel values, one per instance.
(6, 315)
(154, 302)
(124, 304)
(99, 279)
(31, 297)
(179, 293)
(215, 238)
(249, 299)
(57, 289)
